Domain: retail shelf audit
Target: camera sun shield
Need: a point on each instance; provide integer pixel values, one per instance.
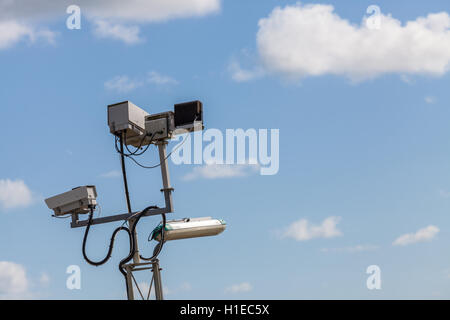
(189, 116)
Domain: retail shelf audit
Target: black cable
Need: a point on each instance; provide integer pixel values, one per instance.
(131, 154)
(159, 164)
(124, 173)
(144, 167)
(134, 153)
(160, 245)
(111, 243)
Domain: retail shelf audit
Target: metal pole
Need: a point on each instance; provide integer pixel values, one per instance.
(136, 258)
(130, 291)
(157, 276)
(167, 189)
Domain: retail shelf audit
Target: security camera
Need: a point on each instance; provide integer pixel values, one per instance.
(189, 228)
(126, 116)
(160, 126)
(142, 128)
(189, 116)
(76, 201)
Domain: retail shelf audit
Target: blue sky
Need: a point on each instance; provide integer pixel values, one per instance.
(363, 139)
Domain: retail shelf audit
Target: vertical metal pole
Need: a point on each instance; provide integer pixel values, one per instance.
(130, 291)
(136, 258)
(167, 189)
(157, 277)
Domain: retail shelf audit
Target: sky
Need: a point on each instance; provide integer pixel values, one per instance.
(360, 99)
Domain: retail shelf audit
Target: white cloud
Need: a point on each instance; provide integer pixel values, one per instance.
(407, 79)
(312, 40)
(239, 288)
(149, 10)
(430, 100)
(100, 12)
(160, 79)
(130, 10)
(13, 281)
(44, 279)
(219, 171)
(251, 70)
(43, 34)
(122, 84)
(444, 193)
(111, 174)
(352, 249)
(303, 230)
(14, 194)
(239, 74)
(422, 235)
(127, 34)
(12, 32)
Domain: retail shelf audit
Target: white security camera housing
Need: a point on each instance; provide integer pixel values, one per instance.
(126, 116)
(77, 201)
(190, 228)
(160, 126)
